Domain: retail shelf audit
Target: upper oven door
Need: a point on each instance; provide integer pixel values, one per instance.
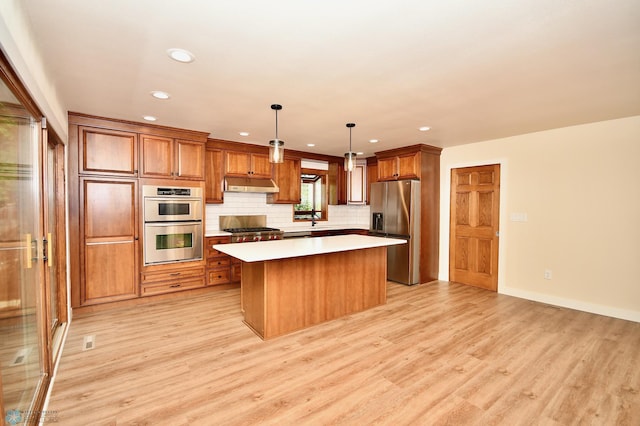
(172, 209)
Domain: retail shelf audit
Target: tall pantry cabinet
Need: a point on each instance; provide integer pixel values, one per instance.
(105, 239)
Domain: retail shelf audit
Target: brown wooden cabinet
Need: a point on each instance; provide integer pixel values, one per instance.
(171, 280)
(214, 176)
(247, 164)
(337, 181)
(106, 160)
(419, 162)
(109, 233)
(163, 157)
(107, 152)
(372, 175)
(287, 177)
(402, 166)
(219, 265)
(357, 183)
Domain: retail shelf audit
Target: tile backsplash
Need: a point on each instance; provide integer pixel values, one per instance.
(279, 215)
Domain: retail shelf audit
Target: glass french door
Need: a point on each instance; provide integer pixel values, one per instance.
(33, 292)
(54, 237)
(25, 358)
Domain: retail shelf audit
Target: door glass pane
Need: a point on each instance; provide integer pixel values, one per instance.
(52, 271)
(20, 344)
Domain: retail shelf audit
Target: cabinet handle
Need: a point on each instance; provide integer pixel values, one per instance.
(175, 274)
(174, 286)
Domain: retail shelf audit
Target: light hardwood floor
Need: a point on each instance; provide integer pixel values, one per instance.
(439, 353)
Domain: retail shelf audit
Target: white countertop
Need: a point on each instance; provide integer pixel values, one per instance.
(282, 249)
(217, 234)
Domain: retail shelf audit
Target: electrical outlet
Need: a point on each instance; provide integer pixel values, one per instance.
(547, 274)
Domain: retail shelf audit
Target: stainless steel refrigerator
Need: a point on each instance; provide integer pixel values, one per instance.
(395, 213)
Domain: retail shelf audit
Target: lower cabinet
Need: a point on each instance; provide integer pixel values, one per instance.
(221, 268)
(171, 280)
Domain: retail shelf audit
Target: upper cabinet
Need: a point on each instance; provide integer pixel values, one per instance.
(107, 152)
(287, 177)
(372, 175)
(164, 157)
(337, 182)
(402, 166)
(357, 183)
(247, 164)
(214, 176)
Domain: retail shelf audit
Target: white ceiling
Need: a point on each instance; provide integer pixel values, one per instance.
(471, 70)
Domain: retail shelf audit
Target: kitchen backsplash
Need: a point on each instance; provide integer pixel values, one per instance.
(279, 215)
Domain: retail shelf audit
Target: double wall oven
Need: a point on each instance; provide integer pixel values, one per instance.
(172, 224)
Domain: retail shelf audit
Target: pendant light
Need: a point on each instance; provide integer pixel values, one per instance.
(350, 157)
(276, 146)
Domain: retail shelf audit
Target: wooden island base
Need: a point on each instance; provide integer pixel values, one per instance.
(284, 295)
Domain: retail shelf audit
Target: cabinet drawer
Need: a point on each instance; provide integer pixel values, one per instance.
(172, 275)
(210, 241)
(171, 286)
(219, 262)
(218, 276)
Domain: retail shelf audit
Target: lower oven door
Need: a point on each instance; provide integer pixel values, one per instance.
(172, 242)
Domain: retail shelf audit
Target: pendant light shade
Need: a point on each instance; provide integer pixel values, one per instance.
(276, 146)
(350, 157)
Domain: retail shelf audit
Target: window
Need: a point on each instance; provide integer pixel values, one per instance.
(313, 196)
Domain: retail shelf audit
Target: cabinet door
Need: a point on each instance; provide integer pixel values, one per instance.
(189, 160)
(156, 156)
(237, 163)
(372, 176)
(110, 239)
(287, 177)
(409, 166)
(357, 183)
(107, 152)
(387, 168)
(260, 166)
(214, 176)
(337, 181)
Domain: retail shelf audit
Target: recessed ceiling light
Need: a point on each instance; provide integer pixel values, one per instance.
(149, 118)
(373, 141)
(243, 133)
(424, 128)
(311, 144)
(181, 55)
(158, 94)
(359, 153)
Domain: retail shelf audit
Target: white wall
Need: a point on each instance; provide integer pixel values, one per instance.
(279, 215)
(580, 189)
(17, 42)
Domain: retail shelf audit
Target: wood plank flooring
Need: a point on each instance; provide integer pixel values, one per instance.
(436, 354)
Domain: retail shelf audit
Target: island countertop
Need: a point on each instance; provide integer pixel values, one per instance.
(281, 249)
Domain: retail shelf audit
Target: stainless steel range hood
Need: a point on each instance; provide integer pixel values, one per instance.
(247, 184)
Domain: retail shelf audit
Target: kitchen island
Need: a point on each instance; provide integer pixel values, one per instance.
(288, 285)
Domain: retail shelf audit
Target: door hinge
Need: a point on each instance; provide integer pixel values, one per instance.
(497, 233)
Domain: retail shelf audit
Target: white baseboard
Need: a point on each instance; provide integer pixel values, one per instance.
(593, 308)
